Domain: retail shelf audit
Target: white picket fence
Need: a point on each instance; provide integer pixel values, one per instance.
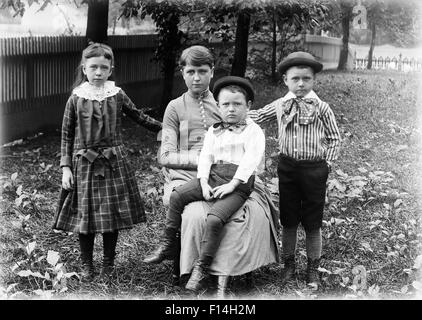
(387, 63)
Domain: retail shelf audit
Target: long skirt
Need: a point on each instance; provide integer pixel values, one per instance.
(103, 202)
(249, 238)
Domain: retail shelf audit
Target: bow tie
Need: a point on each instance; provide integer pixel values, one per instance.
(238, 127)
(305, 107)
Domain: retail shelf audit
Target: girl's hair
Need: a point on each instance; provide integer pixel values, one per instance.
(93, 50)
(196, 56)
(235, 88)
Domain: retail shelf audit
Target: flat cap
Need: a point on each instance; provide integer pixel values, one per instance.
(299, 58)
(233, 80)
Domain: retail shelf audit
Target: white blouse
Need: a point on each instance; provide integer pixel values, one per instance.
(245, 149)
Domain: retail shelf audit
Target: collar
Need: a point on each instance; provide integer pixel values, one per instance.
(238, 127)
(90, 92)
(310, 95)
(243, 122)
(202, 95)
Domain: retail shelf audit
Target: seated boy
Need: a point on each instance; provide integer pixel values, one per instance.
(232, 153)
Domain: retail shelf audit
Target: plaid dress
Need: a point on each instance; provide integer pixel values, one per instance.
(105, 195)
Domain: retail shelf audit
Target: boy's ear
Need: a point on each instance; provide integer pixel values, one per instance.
(285, 79)
(249, 104)
(212, 72)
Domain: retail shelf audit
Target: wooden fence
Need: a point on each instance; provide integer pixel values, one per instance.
(327, 50)
(387, 63)
(37, 74)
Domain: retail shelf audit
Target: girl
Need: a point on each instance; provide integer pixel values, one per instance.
(99, 191)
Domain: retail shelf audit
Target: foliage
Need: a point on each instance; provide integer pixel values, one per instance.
(398, 21)
(38, 273)
(291, 17)
(166, 15)
(19, 8)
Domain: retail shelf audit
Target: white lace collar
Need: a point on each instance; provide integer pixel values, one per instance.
(90, 92)
(310, 95)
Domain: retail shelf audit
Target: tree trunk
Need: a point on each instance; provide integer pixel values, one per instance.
(172, 43)
(241, 44)
(166, 95)
(371, 48)
(345, 23)
(274, 47)
(97, 24)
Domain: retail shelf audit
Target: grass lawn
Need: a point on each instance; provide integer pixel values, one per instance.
(371, 235)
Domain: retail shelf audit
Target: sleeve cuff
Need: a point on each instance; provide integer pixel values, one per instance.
(66, 161)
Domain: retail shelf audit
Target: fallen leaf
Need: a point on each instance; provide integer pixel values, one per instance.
(397, 203)
(70, 274)
(14, 176)
(337, 184)
(155, 169)
(313, 286)
(30, 247)
(366, 246)
(320, 269)
(417, 285)
(52, 257)
(341, 173)
(338, 270)
(337, 221)
(401, 236)
(11, 287)
(24, 273)
(152, 191)
(401, 148)
(392, 254)
(47, 168)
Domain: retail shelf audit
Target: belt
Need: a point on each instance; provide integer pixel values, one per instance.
(301, 161)
(108, 154)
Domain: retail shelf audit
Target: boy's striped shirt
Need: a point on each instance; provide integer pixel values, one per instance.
(319, 140)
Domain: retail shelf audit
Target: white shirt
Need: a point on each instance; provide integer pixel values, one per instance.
(310, 95)
(245, 149)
